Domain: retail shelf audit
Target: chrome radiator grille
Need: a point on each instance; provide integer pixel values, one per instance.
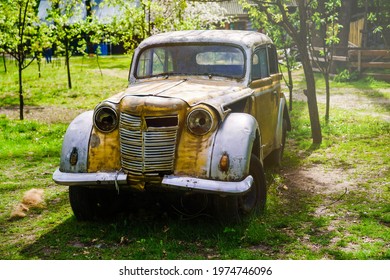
(148, 144)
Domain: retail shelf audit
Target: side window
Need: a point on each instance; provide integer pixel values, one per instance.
(273, 60)
(260, 64)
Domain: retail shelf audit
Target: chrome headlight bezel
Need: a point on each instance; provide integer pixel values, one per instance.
(105, 118)
(201, 121)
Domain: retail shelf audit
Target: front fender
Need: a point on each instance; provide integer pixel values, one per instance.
(235, 139)
(76, 144)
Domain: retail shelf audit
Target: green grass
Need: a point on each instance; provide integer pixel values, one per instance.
(300, 222)
(89, 85)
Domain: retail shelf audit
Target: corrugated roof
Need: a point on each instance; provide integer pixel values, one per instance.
(232, 7)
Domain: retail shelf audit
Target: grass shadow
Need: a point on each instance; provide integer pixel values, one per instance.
(152, 233)
(148, 237)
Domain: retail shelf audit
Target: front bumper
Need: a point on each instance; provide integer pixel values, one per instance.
(90, 179)
(118, 179)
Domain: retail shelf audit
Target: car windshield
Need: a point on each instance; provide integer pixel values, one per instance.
(211, 60)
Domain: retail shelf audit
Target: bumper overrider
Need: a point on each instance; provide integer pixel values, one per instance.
(184, 183)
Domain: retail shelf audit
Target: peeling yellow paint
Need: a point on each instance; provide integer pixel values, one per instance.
(193, 154)
(104, 151)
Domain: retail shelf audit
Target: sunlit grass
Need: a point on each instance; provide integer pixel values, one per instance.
(89, 84)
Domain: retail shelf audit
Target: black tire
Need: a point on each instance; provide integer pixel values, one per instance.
(92, 204)
(276, 156)
(232, 209)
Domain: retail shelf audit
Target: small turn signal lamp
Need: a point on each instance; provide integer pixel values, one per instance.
(224, 162)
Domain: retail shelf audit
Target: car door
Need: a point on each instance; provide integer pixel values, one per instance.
(265, 83)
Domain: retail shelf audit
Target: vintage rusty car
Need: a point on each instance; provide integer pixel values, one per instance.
(202, 114)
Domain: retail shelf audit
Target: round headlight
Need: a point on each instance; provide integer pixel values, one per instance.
(199, 121)
(106, 119)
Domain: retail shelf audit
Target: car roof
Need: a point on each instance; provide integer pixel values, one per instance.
(248, 39)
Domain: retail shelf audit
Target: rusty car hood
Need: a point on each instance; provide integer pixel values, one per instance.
(215, 93)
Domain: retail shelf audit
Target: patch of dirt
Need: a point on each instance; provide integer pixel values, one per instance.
(332, 184)
(317, 180)
(42, 114)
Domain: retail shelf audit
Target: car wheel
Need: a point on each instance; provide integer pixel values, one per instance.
(275, 158)
(91, 204)
(232, 209)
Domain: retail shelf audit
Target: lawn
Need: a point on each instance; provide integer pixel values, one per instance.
(326, 202)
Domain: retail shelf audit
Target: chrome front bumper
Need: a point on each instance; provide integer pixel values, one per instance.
(90, 179)
(169, 181)
(204, 185)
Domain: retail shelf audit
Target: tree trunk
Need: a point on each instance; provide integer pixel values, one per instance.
(67, 62)
(327, 86)
(302, 45)
(311, 98)
(97, 60)
(21, 99)
(5, 63)
(88, 9)
(300, 36)
(39, 67)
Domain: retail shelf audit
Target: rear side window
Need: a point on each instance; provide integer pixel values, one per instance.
(264, 62)
(260, 68)
(273, 60)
